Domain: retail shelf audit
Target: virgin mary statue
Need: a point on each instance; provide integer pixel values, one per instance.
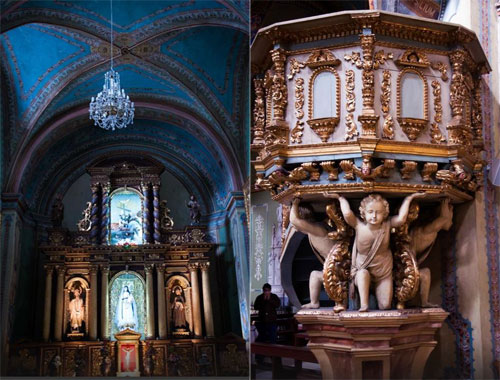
(126, 310)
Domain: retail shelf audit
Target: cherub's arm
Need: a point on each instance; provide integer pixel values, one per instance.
(443, 221)
(400, 219)
(349, 216)
(302, 225)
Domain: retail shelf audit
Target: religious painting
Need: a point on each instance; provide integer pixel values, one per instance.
(128, 355)
(127, 303)
(126, 217)
(76, 309)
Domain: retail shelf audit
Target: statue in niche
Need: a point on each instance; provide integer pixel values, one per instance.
(194, 210)
(54, 365)
(422, 241)
(76, 309)
(178, 302)
(302, 218)
(371, 252)
(126, 310)
(57, 213)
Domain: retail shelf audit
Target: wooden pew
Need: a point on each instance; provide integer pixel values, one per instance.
(278, 351)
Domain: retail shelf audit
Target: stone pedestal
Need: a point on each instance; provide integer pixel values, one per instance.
(391, 344)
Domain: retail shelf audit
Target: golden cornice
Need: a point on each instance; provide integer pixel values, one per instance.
(359, 189)
(354, 147)
(348, 23)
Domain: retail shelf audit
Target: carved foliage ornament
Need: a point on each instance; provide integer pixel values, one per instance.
(351, 129)
(259, 113)
(322, 57)
(296, 133)
(436, 135)
(337, 266)
(385, 99)
(413, 58)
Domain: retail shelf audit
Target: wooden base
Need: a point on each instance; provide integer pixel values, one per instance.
(390, 344)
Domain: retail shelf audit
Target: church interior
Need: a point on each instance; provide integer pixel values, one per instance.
(123, 158)
(389, 107)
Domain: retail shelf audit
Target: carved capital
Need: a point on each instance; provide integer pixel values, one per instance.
(160, 268)
(105, 270)
(61, 270)
(49, 269)
(93, 270)
(148, 268)
(204, 266)
(193, 267)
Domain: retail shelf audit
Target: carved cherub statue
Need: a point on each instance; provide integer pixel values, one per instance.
(301, 219)
(371, 253)
(422, 241)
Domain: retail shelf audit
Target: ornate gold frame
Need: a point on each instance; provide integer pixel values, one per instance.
(412, 127)
(323, 127)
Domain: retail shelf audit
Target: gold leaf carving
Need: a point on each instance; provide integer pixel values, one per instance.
(295, 67)
(333, 172)
(351, 129)
(429, 169)
(312, 168)
(337, 266)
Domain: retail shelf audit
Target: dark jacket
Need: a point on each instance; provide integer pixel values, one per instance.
(267, 308)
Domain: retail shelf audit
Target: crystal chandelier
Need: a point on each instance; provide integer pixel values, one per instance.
(112, 108)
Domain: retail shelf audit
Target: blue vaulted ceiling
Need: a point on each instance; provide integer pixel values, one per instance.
(184, 64)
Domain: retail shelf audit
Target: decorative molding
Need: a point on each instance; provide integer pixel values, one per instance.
(297, 132)
(351, 129)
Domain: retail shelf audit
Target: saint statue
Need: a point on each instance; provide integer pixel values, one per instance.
(126, 310)
(57, 213)
(76, 308)
(178, 308)
(194, 210)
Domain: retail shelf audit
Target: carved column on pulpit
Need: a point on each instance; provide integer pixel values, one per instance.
(104, 302)
(195, 288)
(94, 215)
(93, 303)
(207, 299)
(162, 319)
(58, 321)
(146, 224)
(156, 213)
(150, 309)
(104, 213)
(48, 302)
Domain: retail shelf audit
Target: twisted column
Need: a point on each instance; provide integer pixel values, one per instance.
(156, 214)
(104, 302)
(94, 216)
(150, 309)
(146, 223)
(207, 299)
(93, 303)
(162, 319)
(48, 303)
(195, 289)
(58, 322)
(104, 213)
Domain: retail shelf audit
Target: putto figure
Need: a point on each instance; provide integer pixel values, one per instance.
(371, 253)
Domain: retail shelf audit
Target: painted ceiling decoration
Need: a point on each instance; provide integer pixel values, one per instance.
(183, 64)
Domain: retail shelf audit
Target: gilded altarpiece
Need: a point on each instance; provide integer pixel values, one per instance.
(126, 294)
